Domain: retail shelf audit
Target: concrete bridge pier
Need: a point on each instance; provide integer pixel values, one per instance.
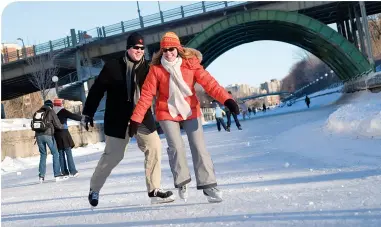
(80, 73)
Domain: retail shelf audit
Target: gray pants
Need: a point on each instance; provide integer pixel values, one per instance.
(148, 142)
(202, 162)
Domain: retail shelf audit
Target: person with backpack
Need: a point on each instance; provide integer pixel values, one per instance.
(44, 123)
(63, 138)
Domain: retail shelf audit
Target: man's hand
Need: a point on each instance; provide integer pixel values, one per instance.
(232, 106)
(133, 128)
(86, 120)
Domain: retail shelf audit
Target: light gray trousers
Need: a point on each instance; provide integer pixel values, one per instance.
(202, 162)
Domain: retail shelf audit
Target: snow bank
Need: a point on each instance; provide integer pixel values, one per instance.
(360, 117)
(14, 124)
(11, 165)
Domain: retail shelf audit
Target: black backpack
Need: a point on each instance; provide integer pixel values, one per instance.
(39, 122)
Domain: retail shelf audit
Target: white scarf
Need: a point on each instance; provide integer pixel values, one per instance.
(178, 89)
(57, 109)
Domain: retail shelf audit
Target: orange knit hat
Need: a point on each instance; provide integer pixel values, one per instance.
(58, 102)
(170, 39)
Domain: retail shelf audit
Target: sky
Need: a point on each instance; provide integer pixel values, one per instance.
(39, 22)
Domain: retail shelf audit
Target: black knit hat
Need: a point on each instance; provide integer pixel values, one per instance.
(48, 103)
(133, 39)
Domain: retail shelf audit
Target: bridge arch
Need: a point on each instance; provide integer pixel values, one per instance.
(289, 27)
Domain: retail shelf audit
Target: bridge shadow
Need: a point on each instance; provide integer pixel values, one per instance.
(362, 215)
(311, 179)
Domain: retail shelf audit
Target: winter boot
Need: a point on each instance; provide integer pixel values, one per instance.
(183, 192)
(160, 196)
(213, 195)
(75, 175)
(41, 179)
(93, 198)
(61, 177)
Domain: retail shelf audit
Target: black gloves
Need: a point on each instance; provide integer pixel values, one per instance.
(86, 120)
(133, 128)
(232, 106)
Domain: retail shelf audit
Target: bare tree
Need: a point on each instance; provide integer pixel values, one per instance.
(43, 70)
(306, 56)
(375, 32)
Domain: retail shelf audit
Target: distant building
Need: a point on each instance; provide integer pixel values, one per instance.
(12, 52)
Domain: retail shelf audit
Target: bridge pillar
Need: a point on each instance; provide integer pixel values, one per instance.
(353, 26)
(360, 31)
(78, 64)
(340, 24)
(348, 30)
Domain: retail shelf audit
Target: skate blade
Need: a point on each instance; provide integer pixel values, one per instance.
(214, 200)
(156, 200)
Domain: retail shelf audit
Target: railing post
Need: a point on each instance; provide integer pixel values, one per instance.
(203, 6)
(182, 11)
(73, 37)
(18, 54)
(51, 46)
(2, 58)
(34, 50)
(122, 24)
(6, 55)
(104, 31)
(161, 17)
(226, 3)
(141, 22)
(68, 41)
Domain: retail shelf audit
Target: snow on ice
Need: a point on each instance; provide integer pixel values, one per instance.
(332, 178)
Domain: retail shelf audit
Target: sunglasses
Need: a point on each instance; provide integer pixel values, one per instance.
(165, 50)
(138, 47)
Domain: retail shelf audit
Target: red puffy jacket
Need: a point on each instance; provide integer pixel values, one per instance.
(157, 84)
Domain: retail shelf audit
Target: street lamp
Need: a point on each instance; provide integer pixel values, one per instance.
(317, 80)
(326, 74)
(55, 80)
(23, 46)
(321, 77)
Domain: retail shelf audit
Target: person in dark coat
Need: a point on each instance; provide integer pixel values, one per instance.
(249, 110)
(122, 79)
(264, 107)
(46, 138)
(228, 115)
(63, 138)
(308, 101)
